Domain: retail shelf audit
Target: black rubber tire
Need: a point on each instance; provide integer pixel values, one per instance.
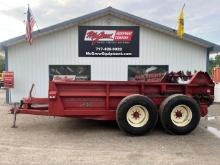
(126, 104)
(165, 114)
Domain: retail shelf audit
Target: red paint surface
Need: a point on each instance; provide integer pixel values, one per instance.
(99, 99)
(8, 79)
(216, 74)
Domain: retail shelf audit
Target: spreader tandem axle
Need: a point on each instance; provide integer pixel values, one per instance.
(135, 105)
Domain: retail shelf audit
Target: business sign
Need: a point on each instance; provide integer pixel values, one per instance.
(108, 41)
(69, 72)
(8, 79)
(143, 72)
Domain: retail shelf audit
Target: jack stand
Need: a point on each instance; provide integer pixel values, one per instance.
(15, 114)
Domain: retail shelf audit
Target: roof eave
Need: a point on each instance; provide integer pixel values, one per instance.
(121, 14)
(162, 28)
(57, 27)
(216, 49)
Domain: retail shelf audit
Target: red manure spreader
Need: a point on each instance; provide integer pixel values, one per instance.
(135, 105)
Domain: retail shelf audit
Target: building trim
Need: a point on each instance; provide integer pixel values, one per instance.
(6, 69)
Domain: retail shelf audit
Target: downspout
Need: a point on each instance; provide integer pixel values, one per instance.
(6, 69)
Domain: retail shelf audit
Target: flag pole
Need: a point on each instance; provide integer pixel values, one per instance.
(180, 26)
(183, 6)
(182, 9)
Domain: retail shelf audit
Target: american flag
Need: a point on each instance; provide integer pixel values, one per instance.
(29, 26)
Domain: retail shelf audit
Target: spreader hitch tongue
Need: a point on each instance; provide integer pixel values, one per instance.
(14, 111)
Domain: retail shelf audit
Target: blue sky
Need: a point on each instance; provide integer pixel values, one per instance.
(202, 18)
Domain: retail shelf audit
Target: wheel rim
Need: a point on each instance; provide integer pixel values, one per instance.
(181, 115)
(137, 116)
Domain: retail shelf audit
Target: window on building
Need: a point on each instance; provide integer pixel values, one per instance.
(80, 72)
(137, 71)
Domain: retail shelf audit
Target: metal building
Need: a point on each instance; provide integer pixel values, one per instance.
(64, 48)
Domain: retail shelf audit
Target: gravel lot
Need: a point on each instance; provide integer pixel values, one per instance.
(48, 140)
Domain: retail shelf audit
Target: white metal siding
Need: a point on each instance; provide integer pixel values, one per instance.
(30, 63)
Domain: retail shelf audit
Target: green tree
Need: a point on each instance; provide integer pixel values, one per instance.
(213, 62)
(217, 59)
(1, 63)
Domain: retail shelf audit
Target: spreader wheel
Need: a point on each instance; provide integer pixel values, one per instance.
(136, 115)
(179, 114)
